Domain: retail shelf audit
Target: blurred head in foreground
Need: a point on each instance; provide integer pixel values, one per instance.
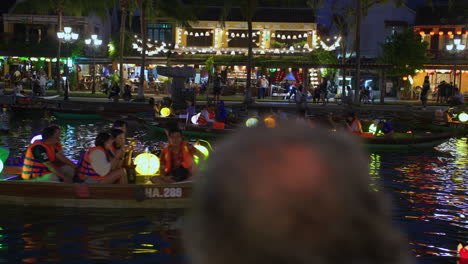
(292, 194)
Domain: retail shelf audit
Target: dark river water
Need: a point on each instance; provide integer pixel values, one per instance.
(429, 191)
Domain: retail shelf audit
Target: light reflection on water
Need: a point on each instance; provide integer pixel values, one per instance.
(428, 190)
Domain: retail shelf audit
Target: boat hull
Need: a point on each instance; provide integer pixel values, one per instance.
(45, 194)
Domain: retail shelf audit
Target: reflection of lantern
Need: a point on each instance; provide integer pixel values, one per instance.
(270, 122)
(165, 112)
(195, 119)
(147, 164)
(38, 137)
(463, 117)
(251, 122)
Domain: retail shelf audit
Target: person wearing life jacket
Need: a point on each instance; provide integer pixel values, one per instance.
(100, 165)
(40, 162)
(176, 159)
(353, 124)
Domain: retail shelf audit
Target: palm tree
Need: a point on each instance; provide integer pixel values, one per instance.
(61, 8)
(152, 10)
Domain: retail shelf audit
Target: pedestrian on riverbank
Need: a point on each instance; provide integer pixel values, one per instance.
(282, 199)
(425, 92)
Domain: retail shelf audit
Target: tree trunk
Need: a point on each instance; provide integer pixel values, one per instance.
(141, 96)
(382, 87)
(57, 66)
(358, 51)
(248, 88)
(122, 43)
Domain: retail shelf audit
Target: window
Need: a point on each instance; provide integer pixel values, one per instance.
(160, 31)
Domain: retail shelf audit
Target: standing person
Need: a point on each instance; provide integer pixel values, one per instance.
(442, 91)
(40, 162)
(217, 86)
(176, 159)
(100, 165)
(263, 86)
(323, 91)
(325, 214)
(42, 83)
(425, 92)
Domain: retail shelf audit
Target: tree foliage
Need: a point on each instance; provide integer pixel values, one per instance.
(405, 52)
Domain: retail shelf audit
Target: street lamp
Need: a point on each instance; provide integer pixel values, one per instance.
(455, 48)
(67, 36)
(95, 43)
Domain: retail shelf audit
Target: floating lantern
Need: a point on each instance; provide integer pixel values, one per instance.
(270, 122)
(373, 128)
(251, 122)
(1, 166)
(37, 137)
(463, 117)
(204, 150)
(195, 119)
(147, 164)
(165, 112)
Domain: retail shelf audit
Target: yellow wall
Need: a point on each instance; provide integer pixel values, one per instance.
(436, 78)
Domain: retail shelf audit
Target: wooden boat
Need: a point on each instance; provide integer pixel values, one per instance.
(14, 191)
(453, 127)
(406, 143)
(89, 115)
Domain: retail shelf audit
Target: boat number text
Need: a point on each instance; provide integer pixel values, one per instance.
(163, 192)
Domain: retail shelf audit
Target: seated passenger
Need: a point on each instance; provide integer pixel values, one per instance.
(353, 124)
(384, 127)
(100, 165)
(176, 159)
(207, 116)
(41, 156)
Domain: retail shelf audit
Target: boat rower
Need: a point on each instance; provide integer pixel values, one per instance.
(44, 160)
(384, 127)
(176, 159)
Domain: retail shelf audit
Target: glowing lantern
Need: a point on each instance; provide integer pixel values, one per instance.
(165, 112)
(195, 119)
(463, 117)
(147, 164)
(203, 150)
(38, 137)
(372, 128)
(270, 122)
(1, 165)
(251, 122)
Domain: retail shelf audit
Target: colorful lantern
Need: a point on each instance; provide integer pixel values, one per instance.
(251, 122)
(165, 112)
(270, 122)
(204, 150)
(1, 166)
(463, 117)
(195, 119)
(147, 164)
(38, 137)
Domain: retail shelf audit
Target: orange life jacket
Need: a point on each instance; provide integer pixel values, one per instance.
(356, 127)
(202, 120)
(187, 158)
(218, 125)
(86, 170)
(33, 168)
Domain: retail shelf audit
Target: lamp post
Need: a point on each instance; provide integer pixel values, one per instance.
(95, 43)
(455, 48)
(66, 36)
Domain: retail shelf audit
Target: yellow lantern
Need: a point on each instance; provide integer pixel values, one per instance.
(251, 122)
(203, 150)
(463, 117)
(1, 166)
(165, 112)
(147, 164)
(270, 122)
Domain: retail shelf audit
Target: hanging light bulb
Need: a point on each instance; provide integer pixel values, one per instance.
(243, 35)
(305, 35)
(207, 34)
(289, 37)
(294, 37)
(273, 35)
(196, 34)
(283, 37)
(237, 35)
(191, 34)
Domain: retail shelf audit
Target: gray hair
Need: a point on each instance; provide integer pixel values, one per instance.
(290, 195)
